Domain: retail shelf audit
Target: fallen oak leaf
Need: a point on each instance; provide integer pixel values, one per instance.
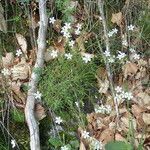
(22, 43)
(146, 118)
(8, 60)
(39, 111)
(129, 68)
(21, 71)
(117, 18)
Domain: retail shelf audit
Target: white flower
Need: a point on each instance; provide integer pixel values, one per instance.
(128, 95)
(54, 53)
(121, 55)
(71, 43)
(79, 26)
(67, 26)
(124, 43)
(66, 35)
(85, 134)
(58, 120)
(111, 60)
(118, 89)
(108, 109)
(115, 30)
(132, 50)
(64, 30)
(107, 53)
(110, 34)
(19, 52)
(77, 32)
(6, 72)
(77, 104)
(68, 56)
(97, 145)
(87, 57)
(131, 27)
(64, 148)
(136, 56)
(52, 20)
(100, 18)
(37, 95)
(13, 143)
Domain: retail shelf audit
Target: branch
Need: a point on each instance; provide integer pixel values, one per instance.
(30, 103)
(109, 72)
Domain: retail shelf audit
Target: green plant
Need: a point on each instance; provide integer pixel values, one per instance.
(65, 8)
(118, 145)
(66, 81)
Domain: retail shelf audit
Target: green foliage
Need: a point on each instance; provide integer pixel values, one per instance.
(66, 81)
(17, 115)
(118, 145)
(65, 8)
(55, 142)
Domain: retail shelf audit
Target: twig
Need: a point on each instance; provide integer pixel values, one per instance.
(109, 72)
(30, 103)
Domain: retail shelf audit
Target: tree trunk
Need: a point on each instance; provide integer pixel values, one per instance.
(30, 103)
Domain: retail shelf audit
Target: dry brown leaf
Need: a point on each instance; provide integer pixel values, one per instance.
(8, 60)
(3, 25)
(21, 71)
(57, 25)
(144, 98)
(106, 136)
(47, 55)
(102, 79)
(125, 121)
(19, 96)
(117, 18)
(137, 110)
(119, 137)
(59, 44)
(39, 111)
(22, 43)
(146, 118)
(130, 69)
(81, 40)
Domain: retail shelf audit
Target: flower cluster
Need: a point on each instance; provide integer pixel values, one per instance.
(96, 145)
(78, 30)
(71, 43)
(65, 30)
(134, 55)
(103, 109)
(121, 95)
(6, 72)
(110, 58)
(112, 32)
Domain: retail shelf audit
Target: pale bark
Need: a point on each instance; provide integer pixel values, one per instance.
(30, 103)
(107, 44)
